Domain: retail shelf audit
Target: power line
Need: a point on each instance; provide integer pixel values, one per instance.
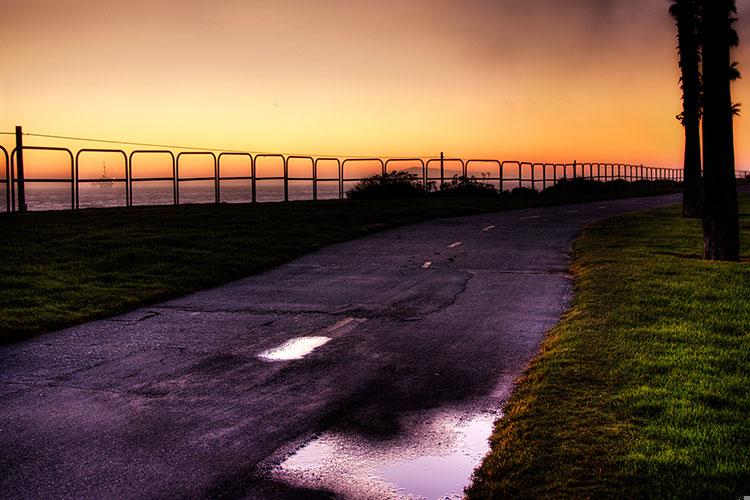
(128, 143)
(223, 150)
(193, 148)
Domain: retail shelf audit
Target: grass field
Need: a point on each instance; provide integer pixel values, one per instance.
(643, 390)
(63, 268)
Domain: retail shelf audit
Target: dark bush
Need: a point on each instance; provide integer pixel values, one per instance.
(466, 186)
(390, 185)
(402, 184)
(590, 186)
(523, 192)
(576, 186)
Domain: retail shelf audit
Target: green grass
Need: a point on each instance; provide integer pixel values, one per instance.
(643, 390)
(63, 268)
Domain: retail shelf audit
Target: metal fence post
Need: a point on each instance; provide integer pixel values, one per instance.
(20, 175)
(442, 169)
(253, 180)
(8, 179)
(315, 180)
(286, 178)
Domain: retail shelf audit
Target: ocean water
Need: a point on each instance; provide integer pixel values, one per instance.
(57, 196)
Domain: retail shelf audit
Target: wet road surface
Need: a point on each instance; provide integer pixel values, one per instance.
(375, 359)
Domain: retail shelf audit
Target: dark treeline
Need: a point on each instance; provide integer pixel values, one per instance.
(706, 35)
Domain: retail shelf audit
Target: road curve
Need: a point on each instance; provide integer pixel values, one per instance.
(173, 400)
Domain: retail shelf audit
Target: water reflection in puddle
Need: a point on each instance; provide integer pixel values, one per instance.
(440, 476)
(435, 463)
(294, 349)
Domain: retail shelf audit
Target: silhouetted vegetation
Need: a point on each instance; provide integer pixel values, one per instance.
(686, 15)
(720, 213)
(402, 184)
(405, 185)
(397, 184)
(466, 186)
(580, 186)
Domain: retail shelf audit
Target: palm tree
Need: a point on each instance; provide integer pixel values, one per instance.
(685, 14)
(721, 238)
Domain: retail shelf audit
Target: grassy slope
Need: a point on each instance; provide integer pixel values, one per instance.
(62, 268)
(644, 389)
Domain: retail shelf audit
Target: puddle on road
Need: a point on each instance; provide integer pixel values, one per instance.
(294, 349)
(435, 462)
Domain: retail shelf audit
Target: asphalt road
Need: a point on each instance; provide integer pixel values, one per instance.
(173, 400)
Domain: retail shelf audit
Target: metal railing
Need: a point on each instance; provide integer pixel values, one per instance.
(131, 180)
(79, 180)
(72, 180)
(505, 174)
(7, 181)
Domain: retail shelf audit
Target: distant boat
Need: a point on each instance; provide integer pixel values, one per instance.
(105, 181)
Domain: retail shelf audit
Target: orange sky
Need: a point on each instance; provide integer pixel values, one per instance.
(539, 80)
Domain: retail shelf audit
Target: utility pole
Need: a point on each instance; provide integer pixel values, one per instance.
(442, 169)
(19, 159)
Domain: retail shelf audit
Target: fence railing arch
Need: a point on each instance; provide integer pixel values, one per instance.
(300, 179)
(8, 180)
(347, 161)
(125, 179)
(173, 179)
(420, 161)
(338, 178)
(179, 179)
(283, 177)
(27, 180)
(496, 163)
(442, 163)
(250, 177)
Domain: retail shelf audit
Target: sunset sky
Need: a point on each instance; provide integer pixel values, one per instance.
(538, 80)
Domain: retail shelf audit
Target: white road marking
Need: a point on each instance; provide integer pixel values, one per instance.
(300, 347)
(572, 212)
(294, 349)
(531, 217)
(454, 245)
(488, 228)
(601, 208)
(426, 265)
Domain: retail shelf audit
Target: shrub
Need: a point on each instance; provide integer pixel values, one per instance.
(523, 192)
(399, 184)
(467, 186)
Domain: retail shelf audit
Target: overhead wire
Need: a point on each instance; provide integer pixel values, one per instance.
(209, 149)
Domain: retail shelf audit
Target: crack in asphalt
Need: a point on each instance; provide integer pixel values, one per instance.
(259, 312)
(50, 385)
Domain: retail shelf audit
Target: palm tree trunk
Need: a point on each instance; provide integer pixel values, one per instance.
(721, 239)
(685, 13)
